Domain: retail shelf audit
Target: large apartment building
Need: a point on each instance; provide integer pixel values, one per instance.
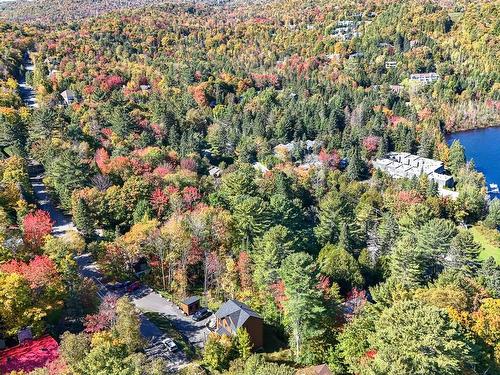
(406, 165)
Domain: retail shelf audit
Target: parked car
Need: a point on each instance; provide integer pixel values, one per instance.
(119, 285)
(170, 344)
(201, 314)
(133, 287)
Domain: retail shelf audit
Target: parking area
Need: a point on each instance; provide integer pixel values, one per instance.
(157, 348)
(195, 332)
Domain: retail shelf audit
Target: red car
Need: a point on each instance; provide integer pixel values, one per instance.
(134, 286)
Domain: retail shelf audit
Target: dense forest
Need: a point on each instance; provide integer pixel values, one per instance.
(230, 146)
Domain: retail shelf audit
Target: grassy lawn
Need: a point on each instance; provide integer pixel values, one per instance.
(486, 237)
(166, 326)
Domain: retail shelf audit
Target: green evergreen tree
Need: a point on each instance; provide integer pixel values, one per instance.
(270, 250)
(355, 168)
(303, 306)
(489, 276)
(406, 264)
(414, 338)
(464, 253)
(251, 219)
(493, 218)
(243, 343)
(66, 174)
(83, 219)
(456, 158)
(341, 267)
(121, 122)
(387, 233)
(433, 245)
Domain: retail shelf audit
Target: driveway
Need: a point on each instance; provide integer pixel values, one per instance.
(195, 332)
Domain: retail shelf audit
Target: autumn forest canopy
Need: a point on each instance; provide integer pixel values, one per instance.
(234, 150)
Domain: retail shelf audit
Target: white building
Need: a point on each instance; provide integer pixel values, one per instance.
(391, 64)
(406, 165)
(424, 77)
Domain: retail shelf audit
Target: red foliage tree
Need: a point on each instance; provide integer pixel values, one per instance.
(329, 159)
(104, 318)
(190, 195)
(278, 292)
(189, 164)
(354, 303)
(102, 160)
(244, 270)
(39, 272)
(159, 201)
(195, 254)
(163, 170)
(371, 143)
(36, 226)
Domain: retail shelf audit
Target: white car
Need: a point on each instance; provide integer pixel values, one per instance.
(170, 344)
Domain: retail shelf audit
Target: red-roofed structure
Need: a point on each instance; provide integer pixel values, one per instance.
(30, 355)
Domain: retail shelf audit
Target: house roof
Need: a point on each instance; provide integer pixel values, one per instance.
(68, 95)
(191, 300)
(30, 355)
(236, 312)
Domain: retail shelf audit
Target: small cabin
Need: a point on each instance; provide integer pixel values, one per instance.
(190, 305)
(233, 315)
(69, 97)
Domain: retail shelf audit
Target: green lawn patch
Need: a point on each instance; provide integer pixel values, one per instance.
(488, 239)
(166, 326)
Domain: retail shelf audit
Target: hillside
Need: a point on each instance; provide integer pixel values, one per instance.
(56, 11)
(283, 164)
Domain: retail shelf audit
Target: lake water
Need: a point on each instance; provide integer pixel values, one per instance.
(483, 146)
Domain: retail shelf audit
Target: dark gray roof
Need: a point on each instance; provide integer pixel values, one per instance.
(236, 312)
(190, 300)
(222, 331)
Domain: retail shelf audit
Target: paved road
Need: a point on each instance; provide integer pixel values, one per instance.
(27, 92)
(155, 348)
(88, 268)
(62, 222)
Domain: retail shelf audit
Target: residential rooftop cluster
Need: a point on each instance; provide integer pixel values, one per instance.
(406, 165)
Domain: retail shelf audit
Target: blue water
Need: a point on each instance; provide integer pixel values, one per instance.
(482, 146)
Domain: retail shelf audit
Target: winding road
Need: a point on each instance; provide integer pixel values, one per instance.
(144, 299)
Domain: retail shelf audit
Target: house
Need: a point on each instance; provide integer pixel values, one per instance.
(397, 89)
(258, 166)
(190, 305)
(215, 172)
(356, 55)
(141, 267)
(69, 97)
(53, 73)
(424, 77)
(233, 315)
(307, 146)
(391, 64)
(315, 370)
(29, 355)
(406, 165)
